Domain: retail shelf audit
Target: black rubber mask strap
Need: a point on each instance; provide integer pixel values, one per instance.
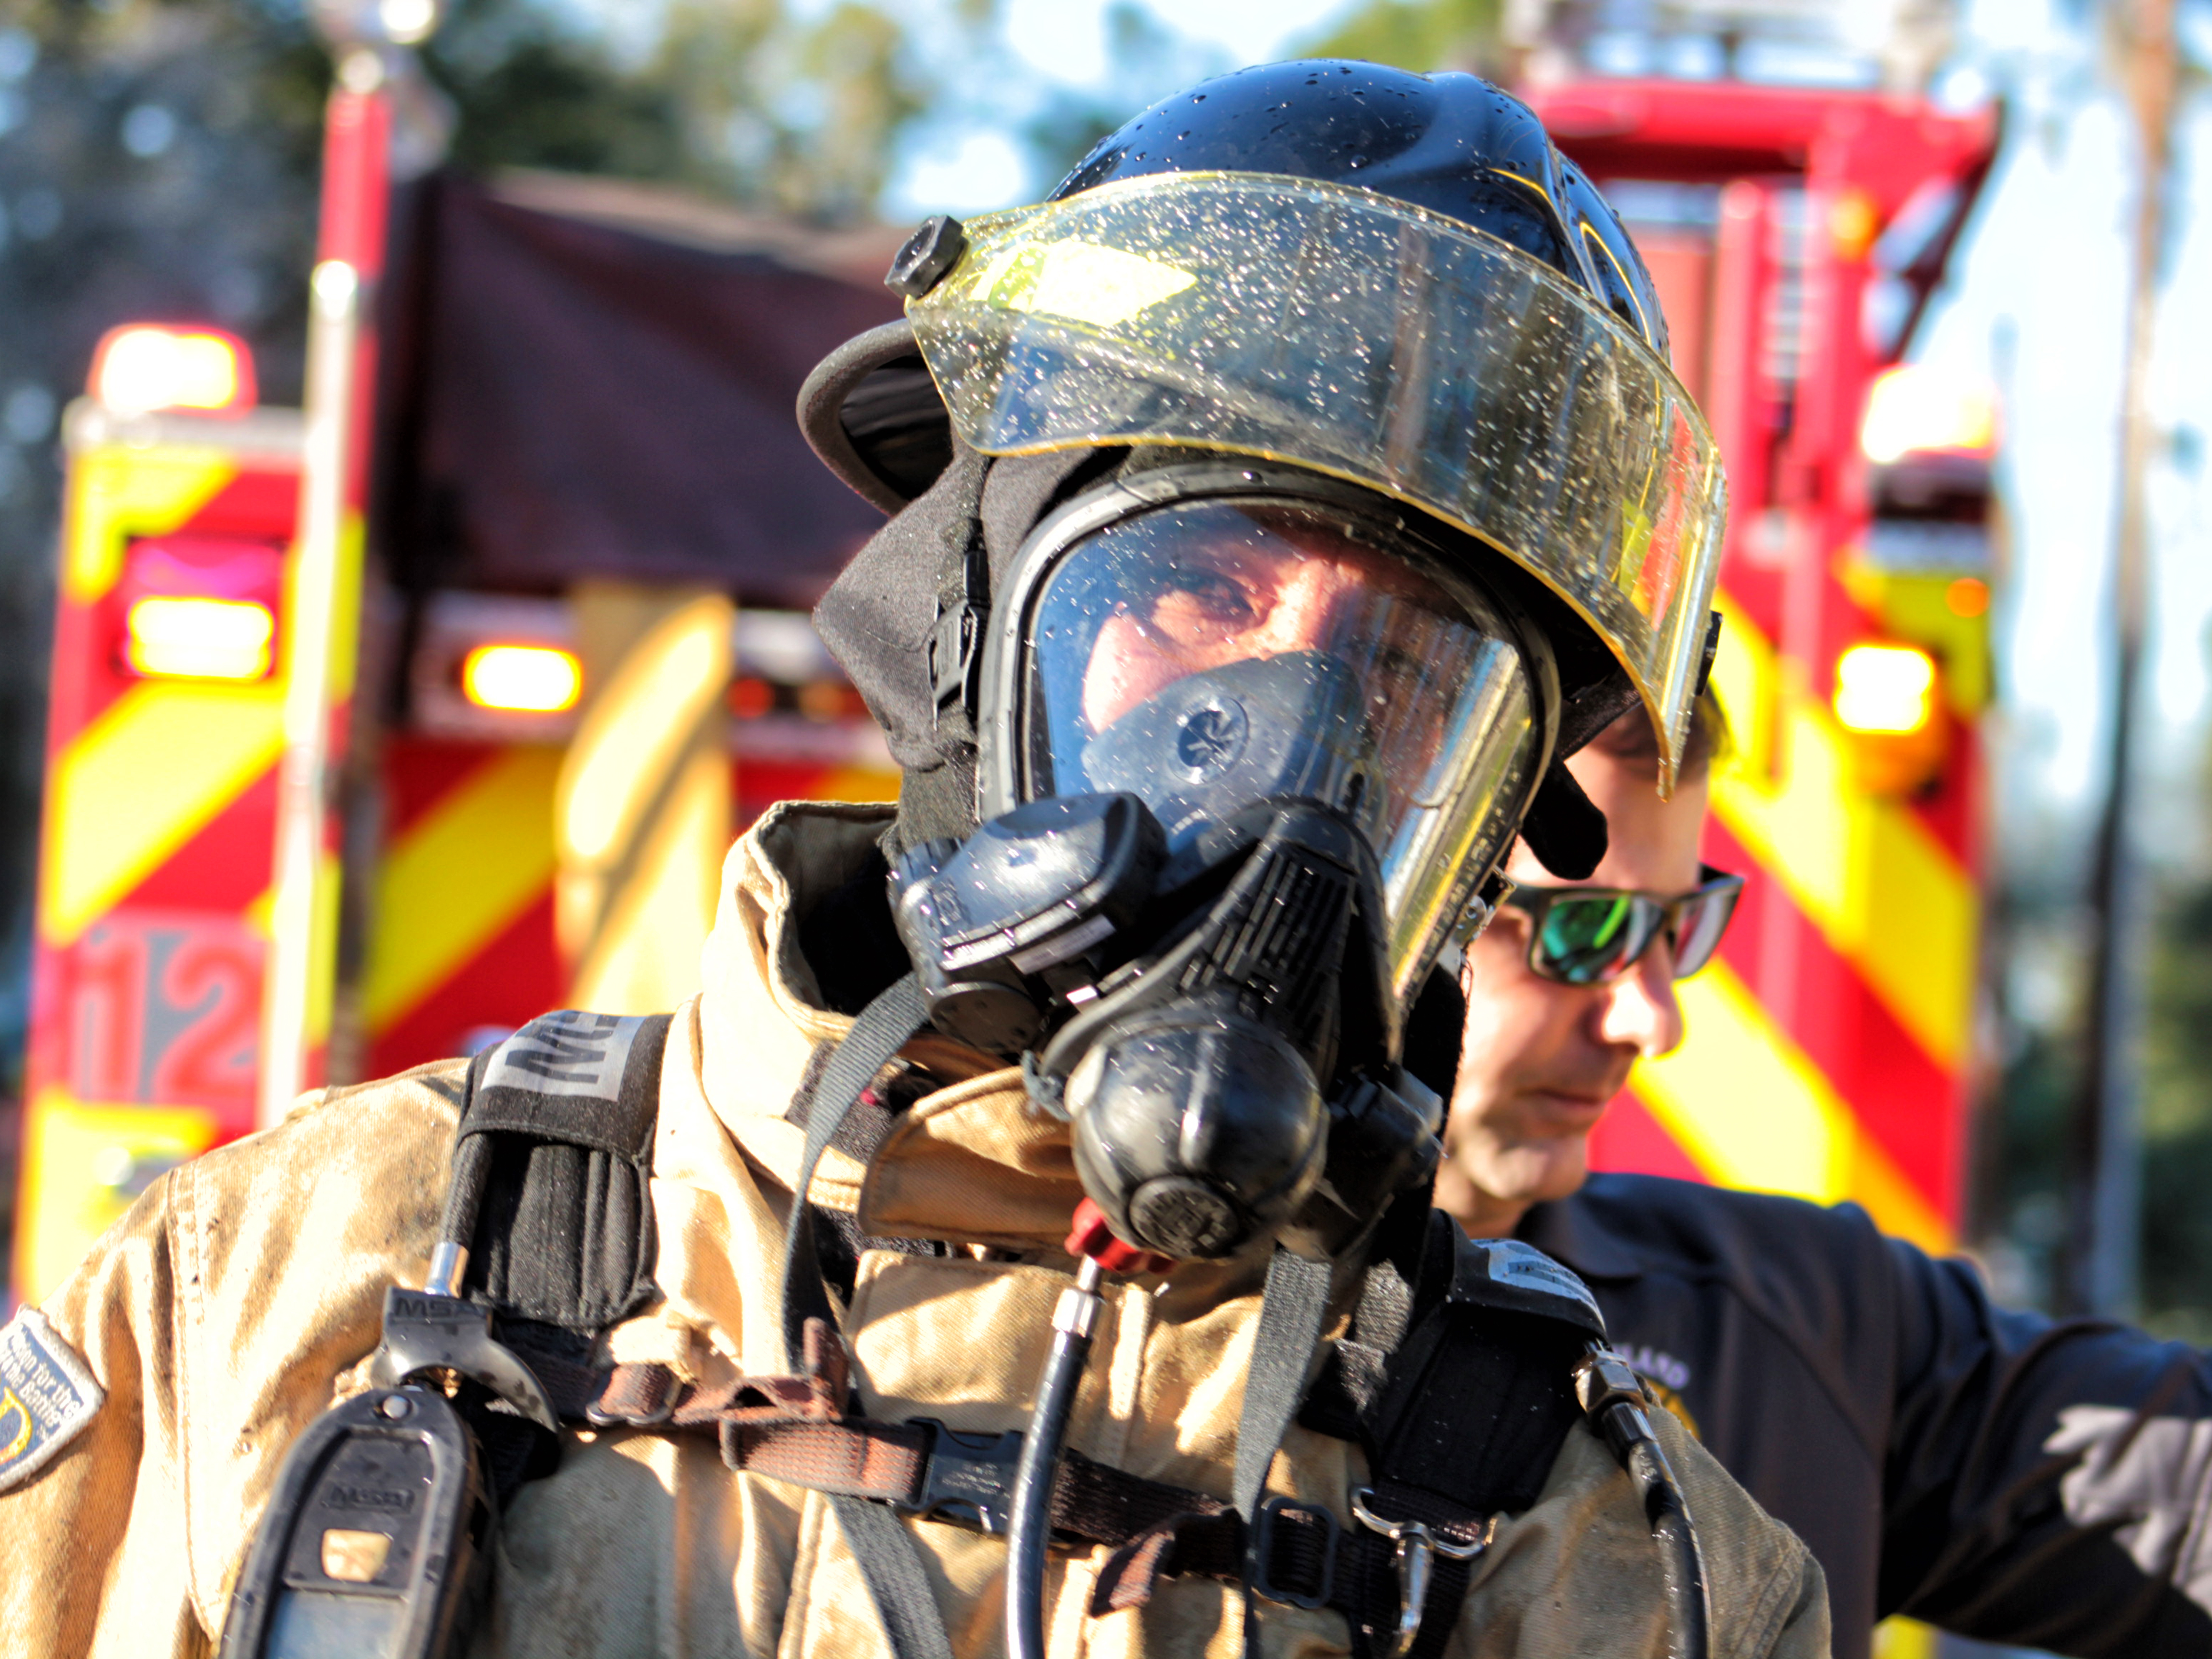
(877, 1035)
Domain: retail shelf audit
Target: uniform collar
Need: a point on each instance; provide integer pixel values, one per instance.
(1574, 1231)
(976, 1161)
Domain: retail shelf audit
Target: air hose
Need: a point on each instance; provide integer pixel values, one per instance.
(1074, 1320)
(1613, 1396)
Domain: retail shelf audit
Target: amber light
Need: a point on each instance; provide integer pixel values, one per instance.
(200, 639)
(141, 367)
(1969, 596)
(533, 679)
(1885, 688)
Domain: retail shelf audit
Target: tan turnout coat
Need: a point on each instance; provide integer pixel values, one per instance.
(240, 1298)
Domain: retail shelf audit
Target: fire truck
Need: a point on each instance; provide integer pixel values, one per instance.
(349, 762)
(1797, 238)
(380, 727)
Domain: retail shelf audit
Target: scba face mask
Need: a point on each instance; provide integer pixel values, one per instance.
(1250, 739)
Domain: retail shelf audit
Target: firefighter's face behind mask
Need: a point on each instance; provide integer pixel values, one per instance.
(1208, 656)
(1244, 757)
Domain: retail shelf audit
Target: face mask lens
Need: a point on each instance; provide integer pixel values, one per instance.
(1213, 654)
(1587, 938)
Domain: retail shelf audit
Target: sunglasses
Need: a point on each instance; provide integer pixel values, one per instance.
(1589, 935)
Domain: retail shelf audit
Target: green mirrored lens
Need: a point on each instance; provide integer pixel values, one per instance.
(1587, 936)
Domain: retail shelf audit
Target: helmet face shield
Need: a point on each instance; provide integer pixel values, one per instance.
(1362, 336)
(1206, 654)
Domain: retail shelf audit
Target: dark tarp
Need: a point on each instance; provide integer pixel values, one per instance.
(589, 379)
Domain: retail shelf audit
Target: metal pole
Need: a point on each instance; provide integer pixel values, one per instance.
(324, 577)
(2105, 1138)
(296, 949)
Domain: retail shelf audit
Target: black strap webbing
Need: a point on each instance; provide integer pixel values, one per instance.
(552, 1170)
(890, 1563)
(877, 1033)
(1292, 1309)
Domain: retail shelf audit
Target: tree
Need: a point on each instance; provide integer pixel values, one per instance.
(1420, 35)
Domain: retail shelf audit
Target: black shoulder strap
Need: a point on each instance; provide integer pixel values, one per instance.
(1480, 1395)
(1458, 1380)
(551, 1170)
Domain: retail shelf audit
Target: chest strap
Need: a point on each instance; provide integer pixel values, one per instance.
(1398, 1575)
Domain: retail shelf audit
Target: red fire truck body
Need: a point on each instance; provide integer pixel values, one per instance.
(1829, 1047)
(1796, 236)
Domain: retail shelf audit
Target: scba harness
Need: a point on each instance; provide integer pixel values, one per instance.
(1464, 1366)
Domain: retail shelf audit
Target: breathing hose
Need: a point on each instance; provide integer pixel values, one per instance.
(1613, 1397)
(1072, 1322)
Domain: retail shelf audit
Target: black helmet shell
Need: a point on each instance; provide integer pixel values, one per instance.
(1453, 144)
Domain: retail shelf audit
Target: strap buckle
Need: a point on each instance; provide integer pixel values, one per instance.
(956, 658)
(966, 1479)
(1418, 1547)
(1257, 1573)
(424, 1331)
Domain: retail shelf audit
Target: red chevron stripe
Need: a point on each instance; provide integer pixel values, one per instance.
(1911, 1107)
(226, 866)
(514, 977)
(417, 772)
(259, 501)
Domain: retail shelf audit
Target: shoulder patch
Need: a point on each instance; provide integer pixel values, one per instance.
(46, 1396)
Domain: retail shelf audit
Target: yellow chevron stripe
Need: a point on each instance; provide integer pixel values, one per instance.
(1888, 896)
(141, 780)
(74, 1153)
(119, 492)
(462, 872)
(1753, 1110)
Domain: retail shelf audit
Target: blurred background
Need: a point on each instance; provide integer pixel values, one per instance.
(1980, 976)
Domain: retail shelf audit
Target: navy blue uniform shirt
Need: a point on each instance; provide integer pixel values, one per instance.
(1997, 1473)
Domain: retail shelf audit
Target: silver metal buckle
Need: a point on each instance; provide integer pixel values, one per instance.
(1417, 1548)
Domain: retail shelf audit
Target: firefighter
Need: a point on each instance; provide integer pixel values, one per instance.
(1998, 1473)
(1111, 1307)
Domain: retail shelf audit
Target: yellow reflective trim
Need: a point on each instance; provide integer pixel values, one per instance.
(1887, 894)
(1752, 1111)
(1899, 1637)
(461, 873)
(73, 1153)
(139, 782)
(117, 492)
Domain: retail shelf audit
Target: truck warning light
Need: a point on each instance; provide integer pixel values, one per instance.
(1885, 688)
(538, 679)
(141, 368)
(191, 638)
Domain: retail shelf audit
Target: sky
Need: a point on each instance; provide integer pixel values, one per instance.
(2037, 302)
